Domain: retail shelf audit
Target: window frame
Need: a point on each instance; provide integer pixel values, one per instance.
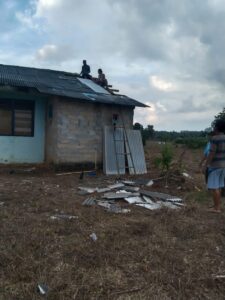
(13, 105)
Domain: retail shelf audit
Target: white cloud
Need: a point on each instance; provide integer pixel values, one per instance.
(168, 53)
(54, 53)
(161, 84)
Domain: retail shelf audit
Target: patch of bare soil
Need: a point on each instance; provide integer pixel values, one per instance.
(162, 254)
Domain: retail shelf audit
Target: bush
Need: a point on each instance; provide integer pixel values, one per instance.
(165, 158)
(192, 143)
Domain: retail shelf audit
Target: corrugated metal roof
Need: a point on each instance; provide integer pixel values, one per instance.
(61, 84)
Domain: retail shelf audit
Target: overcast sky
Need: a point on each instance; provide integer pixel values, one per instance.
(166, 53)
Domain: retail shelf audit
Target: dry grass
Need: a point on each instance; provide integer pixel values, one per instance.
(142, 255)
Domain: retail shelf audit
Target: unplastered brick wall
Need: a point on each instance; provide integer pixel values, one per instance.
(78, 130)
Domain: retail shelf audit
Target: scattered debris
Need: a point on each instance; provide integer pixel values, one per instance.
(144, 181)
(131, 188)
(116, 186)
(147, 199)
(187, 175)
(160, 196)
(118, 210)
(104, 204)
(218, 276)
(42, 289)
(128, 182)
(120, 195)
(75, 172)
(87, 189)
(133, 200)
(93, 236)
(102, 190)
(152, 206)
(63, 216)
(170, 205)
(2, 203)
(113, 207)
(89, 201)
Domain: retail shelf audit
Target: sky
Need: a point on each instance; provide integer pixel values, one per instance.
(168, 54)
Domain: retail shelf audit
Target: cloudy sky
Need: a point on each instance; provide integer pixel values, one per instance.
(166, 53)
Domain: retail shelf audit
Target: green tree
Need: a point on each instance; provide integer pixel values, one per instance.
(138, 126)
(220, 115)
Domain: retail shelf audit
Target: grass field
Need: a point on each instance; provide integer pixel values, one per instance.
(163, 254)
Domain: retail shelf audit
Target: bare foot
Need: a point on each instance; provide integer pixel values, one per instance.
(214, 210)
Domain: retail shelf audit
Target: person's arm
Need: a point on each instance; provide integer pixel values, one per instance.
(202, 161)
(210, 156)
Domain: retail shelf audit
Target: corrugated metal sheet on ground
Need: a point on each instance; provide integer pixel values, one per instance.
(137, 152)
(111, 162)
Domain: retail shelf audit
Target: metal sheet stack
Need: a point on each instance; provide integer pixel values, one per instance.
(121, 146)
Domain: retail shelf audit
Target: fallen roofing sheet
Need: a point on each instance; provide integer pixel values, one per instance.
(120, 195)
(89, 201)
(111, 162)
(135, 146)
(161, 196)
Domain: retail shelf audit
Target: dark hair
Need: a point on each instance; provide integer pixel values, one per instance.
(84, 61)
(220, 125)
(99, 70)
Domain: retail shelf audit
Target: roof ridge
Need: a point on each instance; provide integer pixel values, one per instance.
(40, 69)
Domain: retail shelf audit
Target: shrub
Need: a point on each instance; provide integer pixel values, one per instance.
(165, 158)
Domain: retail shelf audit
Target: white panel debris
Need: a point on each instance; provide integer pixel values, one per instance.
(87, 189)
(133, 200)
(117, 195)
(116, 186)
(63, 216)
(152, 206)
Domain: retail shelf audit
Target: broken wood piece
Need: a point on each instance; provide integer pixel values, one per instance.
(75, 172)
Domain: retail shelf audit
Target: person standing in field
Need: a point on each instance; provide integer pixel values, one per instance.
(215, 161)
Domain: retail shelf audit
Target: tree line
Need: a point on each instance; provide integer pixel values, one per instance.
(191, 137)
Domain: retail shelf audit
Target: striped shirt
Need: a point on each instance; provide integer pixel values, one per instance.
(218, 148)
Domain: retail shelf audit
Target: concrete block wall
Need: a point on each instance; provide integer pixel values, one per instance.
(75, 132)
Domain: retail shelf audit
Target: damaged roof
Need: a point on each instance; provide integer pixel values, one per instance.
(61, 83)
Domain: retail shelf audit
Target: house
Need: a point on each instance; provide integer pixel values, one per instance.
(55, 117)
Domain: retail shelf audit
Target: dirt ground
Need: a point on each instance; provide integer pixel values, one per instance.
(161, 254)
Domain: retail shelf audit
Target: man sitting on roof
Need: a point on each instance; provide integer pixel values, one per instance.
(101, 80)
(86, 70)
